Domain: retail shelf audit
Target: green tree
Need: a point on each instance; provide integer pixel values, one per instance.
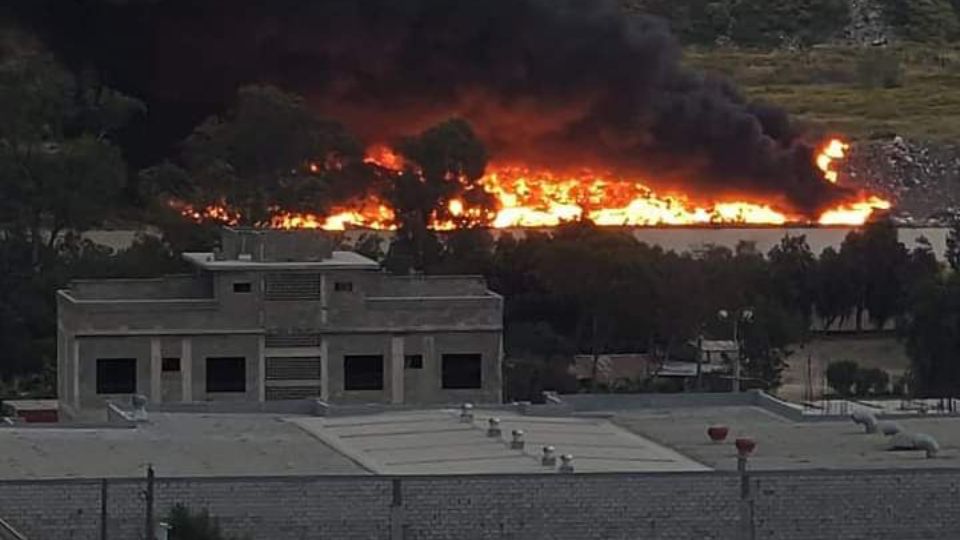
(953, 246)
(873, 381)
(466, 251)
(931, 328)
(537, 360)
(442, 164)
(793, 274)
(877, 264)
(842, 375)
(58, 170)
(268, 152)
(836, 297)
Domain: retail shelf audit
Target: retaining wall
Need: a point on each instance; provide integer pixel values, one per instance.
(887, 504)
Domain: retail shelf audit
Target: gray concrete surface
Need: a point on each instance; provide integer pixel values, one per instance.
(786, 445)
(436, 442)
(175, 444)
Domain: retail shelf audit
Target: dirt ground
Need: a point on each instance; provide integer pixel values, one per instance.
(809, 363)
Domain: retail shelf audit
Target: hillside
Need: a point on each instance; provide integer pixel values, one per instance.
(885, 74)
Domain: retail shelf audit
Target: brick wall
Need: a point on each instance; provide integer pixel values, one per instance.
(874, 505)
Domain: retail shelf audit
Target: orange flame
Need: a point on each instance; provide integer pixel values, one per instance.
(540, 198)
(835, 150)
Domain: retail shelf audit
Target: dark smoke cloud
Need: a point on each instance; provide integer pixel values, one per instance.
(558, 82)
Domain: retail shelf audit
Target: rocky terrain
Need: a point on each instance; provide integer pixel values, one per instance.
(923, 179)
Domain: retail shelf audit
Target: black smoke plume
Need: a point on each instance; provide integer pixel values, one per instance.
(556, 82)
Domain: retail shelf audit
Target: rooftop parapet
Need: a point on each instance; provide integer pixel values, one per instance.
(256, 245)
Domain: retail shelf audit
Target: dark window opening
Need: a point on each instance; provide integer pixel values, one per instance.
(226, 375)
(343, 286)
(171, 364)
(242, 287)
(363, 372)
(116, 376)
(462, 371)
(413, 361)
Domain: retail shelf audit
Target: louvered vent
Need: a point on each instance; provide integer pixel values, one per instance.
(291, 340)
(292, 286)
(293, 369)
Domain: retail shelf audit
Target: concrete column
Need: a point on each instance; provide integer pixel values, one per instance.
(74, 361)
(61, 363)
(262, 369)
(156, 371)
(186, 369)
(396, 370)
(324, 370)
(430, 359)
(323, 299)
(499, 370)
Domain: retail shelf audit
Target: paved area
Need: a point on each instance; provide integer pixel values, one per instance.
(436, 442)
(175, 444)
(784, 444)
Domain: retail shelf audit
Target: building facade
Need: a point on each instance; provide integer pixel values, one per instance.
(278, 315)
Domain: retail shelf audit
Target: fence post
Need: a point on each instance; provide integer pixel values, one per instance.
(396, 511)
(103, 509)
(747, 529)
(150, 531)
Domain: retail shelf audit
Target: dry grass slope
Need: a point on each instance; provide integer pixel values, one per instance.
(909, 90)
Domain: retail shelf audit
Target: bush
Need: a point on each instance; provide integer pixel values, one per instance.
(841, 376)
(186, 525)
(880, 68)
(922, 20)
(871, 382)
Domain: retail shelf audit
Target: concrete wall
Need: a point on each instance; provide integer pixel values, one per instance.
(186, 286)
(91, 349)
(879, 505)
(423, 386)
(377, 315)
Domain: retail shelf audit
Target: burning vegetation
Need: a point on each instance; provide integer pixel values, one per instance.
(587, 112)
(538, 197)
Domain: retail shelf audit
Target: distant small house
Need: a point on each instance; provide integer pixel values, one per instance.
(709, 351)
(614, 367)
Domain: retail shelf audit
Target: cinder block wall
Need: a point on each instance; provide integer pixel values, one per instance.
(877, 505)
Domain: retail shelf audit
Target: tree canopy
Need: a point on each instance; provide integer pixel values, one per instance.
(269, 151)
(59, 170)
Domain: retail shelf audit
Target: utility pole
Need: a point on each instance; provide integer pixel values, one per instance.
(741, 315)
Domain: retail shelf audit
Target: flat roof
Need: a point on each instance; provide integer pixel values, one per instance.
(176, 444)
(437, 442)
(341, 260)
(784, 444)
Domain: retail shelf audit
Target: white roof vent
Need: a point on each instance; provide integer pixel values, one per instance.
(865, 419)
(566, 463)
(890, 428)
(549, 458)
(493, 427)
(916, 441)
(139, 404)
(516, 443)
(466, 413)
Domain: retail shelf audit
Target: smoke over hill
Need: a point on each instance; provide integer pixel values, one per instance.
(547, 82)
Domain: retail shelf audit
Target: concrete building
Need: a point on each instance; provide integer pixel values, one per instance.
(278, 315)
